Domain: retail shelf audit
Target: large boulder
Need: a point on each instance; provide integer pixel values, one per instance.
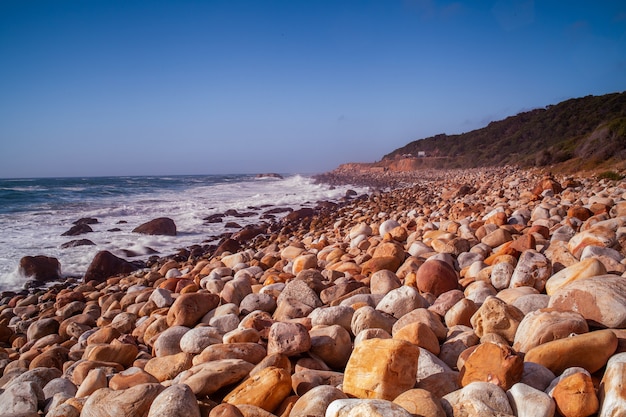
(105, 265)
(161, 226)
(41, 268)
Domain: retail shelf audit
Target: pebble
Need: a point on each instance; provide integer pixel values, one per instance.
(406, 300)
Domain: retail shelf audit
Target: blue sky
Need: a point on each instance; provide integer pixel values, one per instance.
(108, 87)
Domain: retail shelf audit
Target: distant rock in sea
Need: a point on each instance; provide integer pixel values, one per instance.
(269, 175)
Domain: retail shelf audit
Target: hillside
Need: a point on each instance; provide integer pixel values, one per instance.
(578, 134)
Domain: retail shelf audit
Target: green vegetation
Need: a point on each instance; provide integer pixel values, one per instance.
(610, 175)
(583, 133)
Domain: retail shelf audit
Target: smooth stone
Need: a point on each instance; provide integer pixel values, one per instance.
(250, 352)
(590, 351)
(161, 298)
(304, 262)
(41, 328)
(575, 396)
(496, 316)
(387, 226)
(501, 274)
(611, 391)
(189, 308)
(62, 410)
(440, 384)
(96, 379)
(207, 378)
(533, 270)
(601, 300)
(597, 235)
(316, 401)
(288, 339)
(305, 380)
(266, 389)
(131, 377)
(122, 353)
(537, 376)
(175, 401)
(420, 402)
(40, 376)
(496, 238)
(328, 316)
(489, 362)
(546, 325)
(456, 344)
(430, 364)
(332, 344)
(461, 313)
(254, 301)
(383, 281)
(527, 401)
(135, 401)
(236, 290)
(419, 334)
(197, 339)
(21, 398)
(445, 301)
(167, 367)
(168, 342)
(479, 291)
(381, 368)
(400, 301)
(584, 269)
(425, 316)
(59, 385)
(225, 410)
(493, 396)
(436, 277)
(365, 408)
(531, 302)
(300, 291)
(242, 336)
(369, 318)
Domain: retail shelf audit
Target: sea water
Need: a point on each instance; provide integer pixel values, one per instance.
(34, 213)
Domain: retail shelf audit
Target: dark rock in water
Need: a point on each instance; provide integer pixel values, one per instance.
(232, 225)
(115, 229)
(79, 229)
(350, 193)
(122, 222)
(214, 218)
(298, 215)
(278, 210)
(40, 268)
(160, 226)
(249, 232)
(270, 175)
(75, 243)
(245, 214)
(86, 220)
(231, 212)
(105, 265)
(228, 245)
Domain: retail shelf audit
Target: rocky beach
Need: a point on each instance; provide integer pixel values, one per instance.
(478, 292)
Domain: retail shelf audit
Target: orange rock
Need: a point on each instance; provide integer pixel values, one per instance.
(492, 363)
(379, 263)
(419, 334)
(188, 309)
(575, 396)
(436, 277)
(381, 368)
(265, 390)
(590, 351)
(167, 367)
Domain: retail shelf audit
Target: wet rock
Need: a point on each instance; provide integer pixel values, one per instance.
(40, 268)
(105, 265)
(160, 226)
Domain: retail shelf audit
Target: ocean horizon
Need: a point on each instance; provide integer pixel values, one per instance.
(36, 212)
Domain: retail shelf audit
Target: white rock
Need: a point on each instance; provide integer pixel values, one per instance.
(175, 401)
(353, 407)
(198, 338)
(161, 297)
(387, 226)
(527, 401)
(490, 394)
(21, 398)
(612, 392)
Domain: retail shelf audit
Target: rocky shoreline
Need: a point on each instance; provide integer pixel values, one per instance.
(485, 292)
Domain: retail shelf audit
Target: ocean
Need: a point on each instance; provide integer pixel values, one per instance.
(34, 213)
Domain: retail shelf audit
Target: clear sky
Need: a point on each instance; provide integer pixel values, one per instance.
(124, 87)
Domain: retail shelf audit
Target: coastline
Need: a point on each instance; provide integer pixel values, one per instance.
(465, 259)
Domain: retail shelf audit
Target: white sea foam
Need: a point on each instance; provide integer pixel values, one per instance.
(38, 231)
